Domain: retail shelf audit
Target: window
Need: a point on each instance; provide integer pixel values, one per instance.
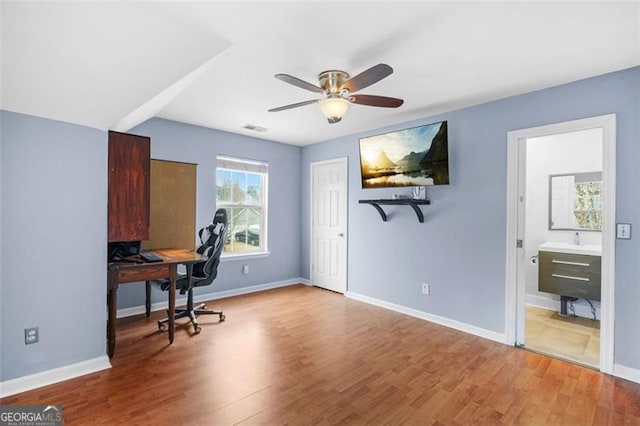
(587, 209)
(241, 189)
(575, 201)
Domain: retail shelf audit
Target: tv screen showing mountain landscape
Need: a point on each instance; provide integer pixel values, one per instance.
(411, 157)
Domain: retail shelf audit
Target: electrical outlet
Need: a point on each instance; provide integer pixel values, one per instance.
(245, 269)
(31, 335)
(426, 288)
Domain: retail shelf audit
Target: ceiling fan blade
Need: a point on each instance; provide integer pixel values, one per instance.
(298, 83)
(367, 78)
(377, 101)
(299, 104)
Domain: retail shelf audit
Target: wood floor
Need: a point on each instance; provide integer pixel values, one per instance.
(301, 355)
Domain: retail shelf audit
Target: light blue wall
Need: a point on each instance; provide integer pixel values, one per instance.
(460, 249)
(54, 232)
(54, 215)
(191, 144)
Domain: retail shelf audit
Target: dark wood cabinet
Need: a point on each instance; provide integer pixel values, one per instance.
(129, 171)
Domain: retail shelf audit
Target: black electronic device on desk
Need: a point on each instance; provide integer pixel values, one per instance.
(119, 251)
(150, 257)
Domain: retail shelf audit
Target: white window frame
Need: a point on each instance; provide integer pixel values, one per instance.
(247, 166)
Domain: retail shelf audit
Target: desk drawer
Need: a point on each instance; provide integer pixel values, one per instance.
(143, 273)
(571, 275)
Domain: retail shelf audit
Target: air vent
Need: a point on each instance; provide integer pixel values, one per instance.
(254, 128)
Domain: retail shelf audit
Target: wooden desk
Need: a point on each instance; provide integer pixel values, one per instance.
(125, 272)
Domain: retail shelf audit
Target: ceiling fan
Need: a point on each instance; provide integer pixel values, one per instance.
(339, 91)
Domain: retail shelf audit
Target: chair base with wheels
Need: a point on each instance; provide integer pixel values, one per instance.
(191, 312)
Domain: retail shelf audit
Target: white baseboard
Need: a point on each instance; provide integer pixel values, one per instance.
(581, 308)
(542, 302)
(160, 306)
(467, 328)
(628, 373)
(48, 377)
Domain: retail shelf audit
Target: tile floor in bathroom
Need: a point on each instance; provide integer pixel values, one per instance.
(574, 339)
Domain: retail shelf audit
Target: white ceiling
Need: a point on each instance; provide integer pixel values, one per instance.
(112, 65)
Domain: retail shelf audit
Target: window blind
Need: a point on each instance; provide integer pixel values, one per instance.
(231, 163)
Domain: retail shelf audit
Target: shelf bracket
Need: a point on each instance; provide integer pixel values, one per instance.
(383, 215)
(415, 205)
(418, 212)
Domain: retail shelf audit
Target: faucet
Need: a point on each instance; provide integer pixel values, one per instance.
(576, 239)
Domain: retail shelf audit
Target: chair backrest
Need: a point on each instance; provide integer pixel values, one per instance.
(212, 239)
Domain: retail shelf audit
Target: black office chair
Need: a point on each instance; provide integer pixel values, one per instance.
(212, 242)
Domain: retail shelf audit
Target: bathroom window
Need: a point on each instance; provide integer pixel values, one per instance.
(575, 202)
(587, 212)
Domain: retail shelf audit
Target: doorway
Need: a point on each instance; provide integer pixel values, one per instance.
(329, 224)
(557, 242)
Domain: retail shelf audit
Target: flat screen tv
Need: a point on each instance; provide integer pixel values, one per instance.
(411, 157)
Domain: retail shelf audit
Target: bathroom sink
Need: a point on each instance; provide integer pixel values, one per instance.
(587, 249)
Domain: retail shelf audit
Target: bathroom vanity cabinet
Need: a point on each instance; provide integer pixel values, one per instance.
(569, 274)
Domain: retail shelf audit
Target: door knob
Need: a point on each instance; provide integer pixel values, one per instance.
(341, 234)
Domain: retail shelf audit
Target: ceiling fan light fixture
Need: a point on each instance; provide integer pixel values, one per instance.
(338, 91)
(334, 108)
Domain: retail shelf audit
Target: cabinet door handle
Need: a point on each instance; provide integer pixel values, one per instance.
(569, 277)
(564, 262)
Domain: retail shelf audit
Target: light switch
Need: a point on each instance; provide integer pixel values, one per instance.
(623, 231)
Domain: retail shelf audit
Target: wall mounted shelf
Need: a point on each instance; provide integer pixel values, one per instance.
(415, 205)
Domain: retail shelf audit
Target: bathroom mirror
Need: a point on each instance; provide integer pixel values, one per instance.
(575, 202)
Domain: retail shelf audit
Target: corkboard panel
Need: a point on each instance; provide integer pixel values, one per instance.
(172, 219)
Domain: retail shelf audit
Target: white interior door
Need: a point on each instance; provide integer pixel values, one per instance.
(329, 224)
